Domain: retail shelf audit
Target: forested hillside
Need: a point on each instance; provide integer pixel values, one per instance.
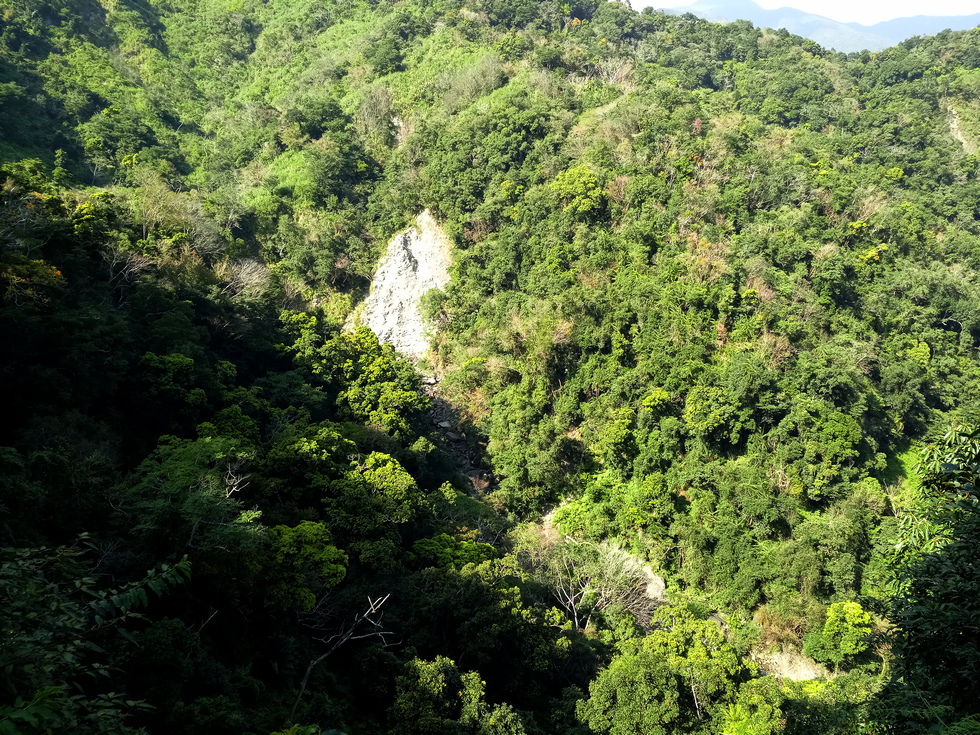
(713, 320)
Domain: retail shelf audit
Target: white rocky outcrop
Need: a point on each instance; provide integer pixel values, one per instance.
(417, 261)
(788, 664)
(956, 130)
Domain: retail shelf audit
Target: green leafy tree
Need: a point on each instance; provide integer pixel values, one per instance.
(579, 188)
(447, 551)
(435, 697)
(306, 563)
(935, 637)
(756, 711)
(635, 695)
(682, 677)
(844, 637)
(57, 620)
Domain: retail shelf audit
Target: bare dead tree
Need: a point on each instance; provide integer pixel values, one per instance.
(585, 578)
(375, 115)
(490, 530)
(349, 630)
(569, 585)
(17, 215)
(125, 269)
(247, 278)
(235, 478)
(615, 71)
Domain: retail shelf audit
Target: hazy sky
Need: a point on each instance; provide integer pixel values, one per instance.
(859, 11)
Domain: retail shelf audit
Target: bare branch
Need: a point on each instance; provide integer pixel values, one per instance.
(348, 632)
(235, 478)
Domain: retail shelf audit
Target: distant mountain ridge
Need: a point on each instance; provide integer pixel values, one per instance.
(827, 32)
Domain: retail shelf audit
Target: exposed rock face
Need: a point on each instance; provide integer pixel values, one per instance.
(416, 262)
(656, 585)
(789, 664)
(956, 130)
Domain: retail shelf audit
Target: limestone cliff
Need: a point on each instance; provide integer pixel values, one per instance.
(417, 261)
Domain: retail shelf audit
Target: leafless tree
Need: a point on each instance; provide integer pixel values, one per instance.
(235, 478)
(125, 268)
(374, 117)
(586, 578)
(246, 278)
(366, 624)
(616, 71)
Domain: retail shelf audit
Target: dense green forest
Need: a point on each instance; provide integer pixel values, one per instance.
(714, 318)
